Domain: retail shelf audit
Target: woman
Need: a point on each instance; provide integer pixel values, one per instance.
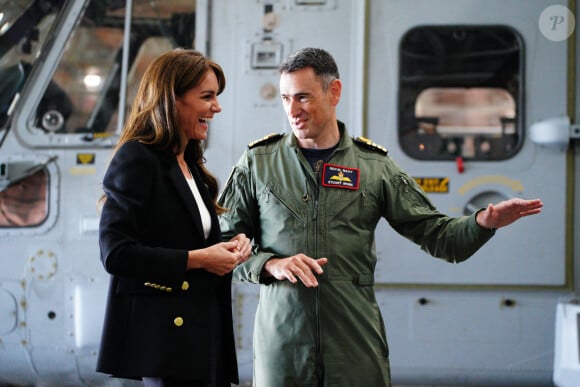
(168, 319)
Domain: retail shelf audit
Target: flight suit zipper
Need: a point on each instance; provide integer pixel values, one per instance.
(319, 357)
(315, 176)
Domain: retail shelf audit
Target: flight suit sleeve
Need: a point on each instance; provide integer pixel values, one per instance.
(242, 216)
(410, 212)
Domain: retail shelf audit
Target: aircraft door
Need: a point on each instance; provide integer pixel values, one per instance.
(470, 99)
(459, 121)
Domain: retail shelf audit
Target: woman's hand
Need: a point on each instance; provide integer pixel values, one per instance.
(244, 246)
(219, 259)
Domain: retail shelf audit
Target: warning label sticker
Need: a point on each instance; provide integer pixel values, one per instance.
(433, 184)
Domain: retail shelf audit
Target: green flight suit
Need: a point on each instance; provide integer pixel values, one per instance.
(336, 329)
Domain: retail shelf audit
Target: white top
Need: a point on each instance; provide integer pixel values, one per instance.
(203, 212)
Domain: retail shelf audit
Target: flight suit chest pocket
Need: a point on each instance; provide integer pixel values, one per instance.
(281, 207)
(350, 205)
(284, 198)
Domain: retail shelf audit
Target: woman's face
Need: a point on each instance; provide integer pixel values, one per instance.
(197, 106)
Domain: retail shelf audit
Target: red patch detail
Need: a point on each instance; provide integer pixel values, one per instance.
(336, 176)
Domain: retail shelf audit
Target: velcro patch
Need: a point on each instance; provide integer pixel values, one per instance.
(336, 176)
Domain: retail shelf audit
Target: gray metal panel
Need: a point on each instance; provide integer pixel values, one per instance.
(531, 252)
(251, 102)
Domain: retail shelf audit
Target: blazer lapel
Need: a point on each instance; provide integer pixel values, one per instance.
(184, 192)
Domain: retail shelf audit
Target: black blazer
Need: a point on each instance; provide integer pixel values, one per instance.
(161, 320)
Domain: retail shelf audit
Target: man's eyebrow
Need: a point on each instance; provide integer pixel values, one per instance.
(298, 94)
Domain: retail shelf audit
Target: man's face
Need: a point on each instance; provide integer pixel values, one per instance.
(310, 109)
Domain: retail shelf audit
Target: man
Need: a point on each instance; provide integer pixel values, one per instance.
(311, 201)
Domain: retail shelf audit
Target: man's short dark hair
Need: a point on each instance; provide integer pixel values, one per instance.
(319, 60)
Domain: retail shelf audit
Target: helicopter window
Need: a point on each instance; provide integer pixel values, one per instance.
(460, 93)
(24, 26)
(470, 118)
(149, 50)
(25, 203)
(76, 99)
(80, 102)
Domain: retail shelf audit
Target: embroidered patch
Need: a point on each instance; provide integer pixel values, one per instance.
(336, 176)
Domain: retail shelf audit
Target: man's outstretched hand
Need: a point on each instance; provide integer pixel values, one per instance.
(506, 212)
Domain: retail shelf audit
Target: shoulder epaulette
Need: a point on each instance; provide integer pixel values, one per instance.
(371, 145)
(265, 140)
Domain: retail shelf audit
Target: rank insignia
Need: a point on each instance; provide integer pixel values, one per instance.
(336, 176)
(265, 140)
(371, 145)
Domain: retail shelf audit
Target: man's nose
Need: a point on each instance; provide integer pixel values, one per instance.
(294, 107)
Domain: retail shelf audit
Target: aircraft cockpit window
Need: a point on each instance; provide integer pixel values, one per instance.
(79, 98)
(73, 97)
(461, 93)
(24, 27)
(87, 80)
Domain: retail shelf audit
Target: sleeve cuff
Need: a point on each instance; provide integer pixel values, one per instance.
(480, 226)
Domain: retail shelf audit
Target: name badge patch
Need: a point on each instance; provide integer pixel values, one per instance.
(336, 176)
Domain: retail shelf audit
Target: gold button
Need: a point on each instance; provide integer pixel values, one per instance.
(185, 285)
(178, 321)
